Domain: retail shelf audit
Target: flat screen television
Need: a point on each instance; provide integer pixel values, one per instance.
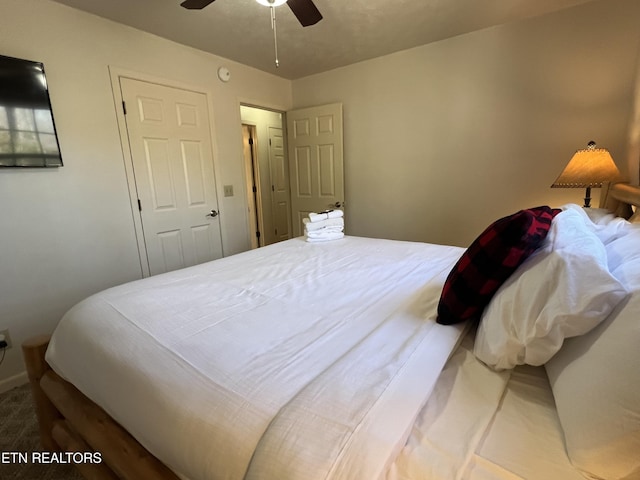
(27, 132)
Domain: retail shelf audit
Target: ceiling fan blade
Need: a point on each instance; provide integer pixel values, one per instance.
(305, 11)
(196, 4)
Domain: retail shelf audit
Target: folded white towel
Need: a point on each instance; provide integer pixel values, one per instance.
(317, 217)
(326, 238)
(323, 232)
(330, 222)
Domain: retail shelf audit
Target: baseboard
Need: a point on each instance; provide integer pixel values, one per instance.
(13, 382)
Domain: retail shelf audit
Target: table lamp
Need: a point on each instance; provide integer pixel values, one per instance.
(588, 168)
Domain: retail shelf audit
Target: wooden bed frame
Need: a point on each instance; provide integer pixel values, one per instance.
(620, 200)
(70, 422)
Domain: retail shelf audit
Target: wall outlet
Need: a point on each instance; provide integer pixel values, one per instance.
(6, 339)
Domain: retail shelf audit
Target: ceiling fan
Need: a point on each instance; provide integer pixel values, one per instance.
(304, 10)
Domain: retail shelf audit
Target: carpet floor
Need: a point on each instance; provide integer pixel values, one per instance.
(19, 434)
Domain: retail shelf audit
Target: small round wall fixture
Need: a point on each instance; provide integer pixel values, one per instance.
(224, 74)
(271, 3)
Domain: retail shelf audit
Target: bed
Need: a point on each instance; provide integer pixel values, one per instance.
(325, 361)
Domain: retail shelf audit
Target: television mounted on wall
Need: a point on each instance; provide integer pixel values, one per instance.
(27, 131)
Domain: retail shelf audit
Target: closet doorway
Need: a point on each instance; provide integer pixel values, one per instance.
(266, 175)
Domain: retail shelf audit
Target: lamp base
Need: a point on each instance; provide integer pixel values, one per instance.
(587, 198)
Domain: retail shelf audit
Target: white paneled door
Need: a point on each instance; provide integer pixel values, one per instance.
(169, 138)
(280, 195)
(315, 161)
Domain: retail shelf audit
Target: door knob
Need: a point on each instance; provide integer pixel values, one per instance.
(212, 213)
(337, 205)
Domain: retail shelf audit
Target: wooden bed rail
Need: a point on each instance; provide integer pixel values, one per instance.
(619, 199)
(70, 422)
(33, 351)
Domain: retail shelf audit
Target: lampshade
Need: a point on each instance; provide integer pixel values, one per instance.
(588, 168)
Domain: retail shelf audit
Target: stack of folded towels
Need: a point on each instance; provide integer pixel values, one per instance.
(324, 226)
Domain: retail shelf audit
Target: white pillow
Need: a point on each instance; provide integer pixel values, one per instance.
(605, 225)
(598, 215)
(624, 249)
(595, 380)
(563, 290)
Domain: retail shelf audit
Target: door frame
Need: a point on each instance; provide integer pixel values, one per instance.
(252, 178)
(115, 74)
(270, 108)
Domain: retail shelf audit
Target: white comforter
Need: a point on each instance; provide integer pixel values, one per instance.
(297, 361)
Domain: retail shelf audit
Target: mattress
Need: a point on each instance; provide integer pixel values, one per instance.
(480, 424)
(296, 360)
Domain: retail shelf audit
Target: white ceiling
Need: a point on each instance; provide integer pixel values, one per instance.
(351, 30)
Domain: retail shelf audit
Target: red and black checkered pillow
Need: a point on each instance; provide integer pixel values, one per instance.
(489, 261)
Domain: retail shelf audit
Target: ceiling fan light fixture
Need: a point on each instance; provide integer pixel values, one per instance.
(271, 3)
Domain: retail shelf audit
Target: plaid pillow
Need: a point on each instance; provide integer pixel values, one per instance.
(489, 261)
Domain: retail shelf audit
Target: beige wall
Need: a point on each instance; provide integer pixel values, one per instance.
(633, 140)
(442, 139)
(68, 232)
